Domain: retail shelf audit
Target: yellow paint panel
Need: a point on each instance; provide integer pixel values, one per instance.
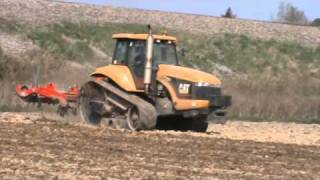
(183, 104)
(120, 74)
(123, 77)
(187, 74)
(144, 37)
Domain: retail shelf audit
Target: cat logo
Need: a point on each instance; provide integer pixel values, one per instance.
(184, 88)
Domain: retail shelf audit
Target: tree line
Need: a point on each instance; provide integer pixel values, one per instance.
(287, 13)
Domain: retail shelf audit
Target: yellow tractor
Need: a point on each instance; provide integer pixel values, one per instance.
(145, 88)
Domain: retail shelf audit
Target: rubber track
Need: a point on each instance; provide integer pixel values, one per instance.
(147, 111)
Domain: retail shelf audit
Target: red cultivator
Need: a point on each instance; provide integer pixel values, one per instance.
(51, 95)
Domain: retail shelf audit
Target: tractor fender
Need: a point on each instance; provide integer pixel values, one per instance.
(119, 74)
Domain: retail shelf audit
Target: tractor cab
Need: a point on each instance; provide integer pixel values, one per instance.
(131, 50)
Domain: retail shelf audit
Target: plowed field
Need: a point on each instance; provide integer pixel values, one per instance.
(35, 148)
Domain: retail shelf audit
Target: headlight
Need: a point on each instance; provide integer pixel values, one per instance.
(205, 84)
(201, 84)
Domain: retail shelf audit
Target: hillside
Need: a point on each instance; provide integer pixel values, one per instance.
(48, 11)
(272, 70)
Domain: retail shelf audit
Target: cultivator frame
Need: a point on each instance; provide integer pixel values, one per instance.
(50, 94)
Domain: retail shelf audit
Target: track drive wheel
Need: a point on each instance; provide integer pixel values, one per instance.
(88, 93)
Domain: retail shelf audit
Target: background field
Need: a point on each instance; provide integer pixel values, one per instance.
(270, 78)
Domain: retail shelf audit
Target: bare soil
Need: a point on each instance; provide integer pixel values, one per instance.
(35, 148)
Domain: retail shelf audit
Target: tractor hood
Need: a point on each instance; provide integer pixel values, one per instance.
(187, 74)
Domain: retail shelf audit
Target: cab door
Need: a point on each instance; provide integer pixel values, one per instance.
(136, 61)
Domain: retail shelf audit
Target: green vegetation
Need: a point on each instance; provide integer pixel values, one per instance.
(11, 69)
(289, 97)
(74, 41)
(10, 26)
(248, 55)
(315, 22)
(288, 13)
(229, 14)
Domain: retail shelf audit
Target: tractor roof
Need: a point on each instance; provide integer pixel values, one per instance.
(143, 37)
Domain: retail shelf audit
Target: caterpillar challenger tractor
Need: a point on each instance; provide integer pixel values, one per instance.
(145, 87)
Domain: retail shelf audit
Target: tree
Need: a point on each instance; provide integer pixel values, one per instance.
(229, 14)
(288, 13)
(316, 22)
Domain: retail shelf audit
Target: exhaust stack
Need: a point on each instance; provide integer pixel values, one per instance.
(148, 65)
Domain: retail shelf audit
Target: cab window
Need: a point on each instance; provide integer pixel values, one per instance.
(137, 56)
(133, 53)
(164, 52)
(120, 54)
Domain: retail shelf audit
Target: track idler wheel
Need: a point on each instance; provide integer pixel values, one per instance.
(133, 119)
